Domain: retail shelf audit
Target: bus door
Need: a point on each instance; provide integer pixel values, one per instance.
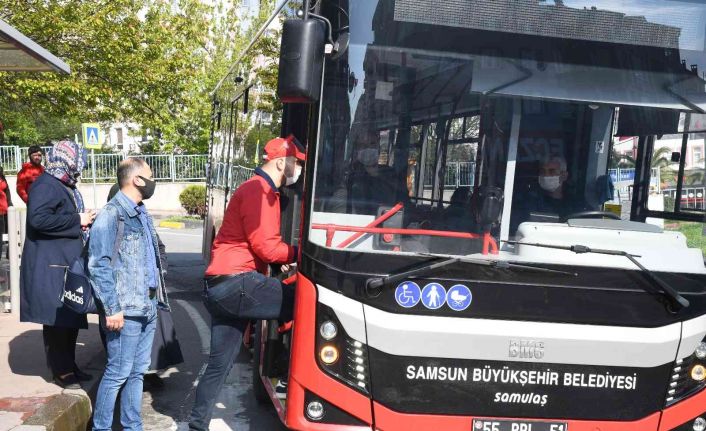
(668, 176)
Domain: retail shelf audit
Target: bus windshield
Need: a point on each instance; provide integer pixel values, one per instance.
(444, 130)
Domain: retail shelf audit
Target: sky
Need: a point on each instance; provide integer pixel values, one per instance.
(690, 16)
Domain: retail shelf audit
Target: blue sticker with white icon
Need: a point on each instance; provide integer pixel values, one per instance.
(459, 297)
(433, 296)
(408, 294)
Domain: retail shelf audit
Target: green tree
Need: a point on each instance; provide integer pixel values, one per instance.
(149, 62)
(662, 158)
(695, 177)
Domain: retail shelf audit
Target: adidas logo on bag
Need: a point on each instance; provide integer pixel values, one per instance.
(71, 296)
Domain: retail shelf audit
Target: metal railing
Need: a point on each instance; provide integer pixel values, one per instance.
(10, 159)
(458, 174)
(691, 197)
(165, 167)
(226, 176)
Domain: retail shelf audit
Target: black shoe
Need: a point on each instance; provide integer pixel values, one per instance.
(67, 382)
(281, 389)
(81, 376)
(152, 382)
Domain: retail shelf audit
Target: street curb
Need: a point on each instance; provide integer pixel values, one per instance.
(71, 410)
(68, 411)
(172, 224)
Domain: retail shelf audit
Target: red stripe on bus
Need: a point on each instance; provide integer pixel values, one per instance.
(389, 420)
(305, 371)
(683, 411)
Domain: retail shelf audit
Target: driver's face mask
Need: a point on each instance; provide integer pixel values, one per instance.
(550, 183)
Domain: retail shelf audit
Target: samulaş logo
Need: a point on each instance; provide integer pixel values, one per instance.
(71, 296)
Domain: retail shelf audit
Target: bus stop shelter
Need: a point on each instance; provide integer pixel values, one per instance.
(18, 53)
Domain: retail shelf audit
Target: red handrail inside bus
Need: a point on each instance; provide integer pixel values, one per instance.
(394, 210)
(489, 243)
(285, 327)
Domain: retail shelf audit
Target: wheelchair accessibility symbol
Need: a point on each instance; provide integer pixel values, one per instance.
(408, 294)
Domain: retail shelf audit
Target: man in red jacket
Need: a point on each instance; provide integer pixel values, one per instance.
(30, 171)
(236, 287)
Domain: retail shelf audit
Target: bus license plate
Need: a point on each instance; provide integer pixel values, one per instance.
(510, 425)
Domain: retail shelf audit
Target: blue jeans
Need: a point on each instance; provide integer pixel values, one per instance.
(128, 359)
(232, 303)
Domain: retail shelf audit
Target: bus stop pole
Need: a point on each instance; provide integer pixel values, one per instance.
(93, 172)
(15, 232)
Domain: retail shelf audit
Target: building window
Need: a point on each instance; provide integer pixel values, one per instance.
(119, 138)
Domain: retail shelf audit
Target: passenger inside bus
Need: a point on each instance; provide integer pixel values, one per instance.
(368, 184)
(458, 215)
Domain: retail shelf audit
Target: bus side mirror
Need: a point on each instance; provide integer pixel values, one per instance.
(301, 61)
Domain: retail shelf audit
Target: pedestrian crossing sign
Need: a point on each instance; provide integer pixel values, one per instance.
(91, 136)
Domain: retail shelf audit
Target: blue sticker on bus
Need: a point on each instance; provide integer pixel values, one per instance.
(459, 297)
(408, 294)
(433, 296)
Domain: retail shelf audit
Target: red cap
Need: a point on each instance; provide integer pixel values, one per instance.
(283, 147)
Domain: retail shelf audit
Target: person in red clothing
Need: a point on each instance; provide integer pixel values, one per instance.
(5, 202)
(30, 171)
(237, 288)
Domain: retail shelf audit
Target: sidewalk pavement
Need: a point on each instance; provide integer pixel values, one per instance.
(29, 401)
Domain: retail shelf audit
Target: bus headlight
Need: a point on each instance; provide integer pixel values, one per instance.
(328, 355)
(315, 410)
(688, 376)
(328, 330)
(699, 424)
(698, 373)
(338, 354)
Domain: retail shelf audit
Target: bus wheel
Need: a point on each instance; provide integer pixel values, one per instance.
(258, 387)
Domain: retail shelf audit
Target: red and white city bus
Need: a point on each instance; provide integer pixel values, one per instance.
(465, 260)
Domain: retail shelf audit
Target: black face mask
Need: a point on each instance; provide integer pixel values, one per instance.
(148, 189)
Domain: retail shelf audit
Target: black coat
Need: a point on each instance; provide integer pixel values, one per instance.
(53, 238)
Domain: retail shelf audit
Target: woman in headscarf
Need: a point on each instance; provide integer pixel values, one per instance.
(57, 225)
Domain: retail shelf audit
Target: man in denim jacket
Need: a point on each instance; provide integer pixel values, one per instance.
(129, 291)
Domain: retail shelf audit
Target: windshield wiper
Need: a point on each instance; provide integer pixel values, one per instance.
(675, 298)
(378, 282)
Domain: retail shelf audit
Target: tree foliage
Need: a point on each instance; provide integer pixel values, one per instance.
(151, 62)
(258, 70)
